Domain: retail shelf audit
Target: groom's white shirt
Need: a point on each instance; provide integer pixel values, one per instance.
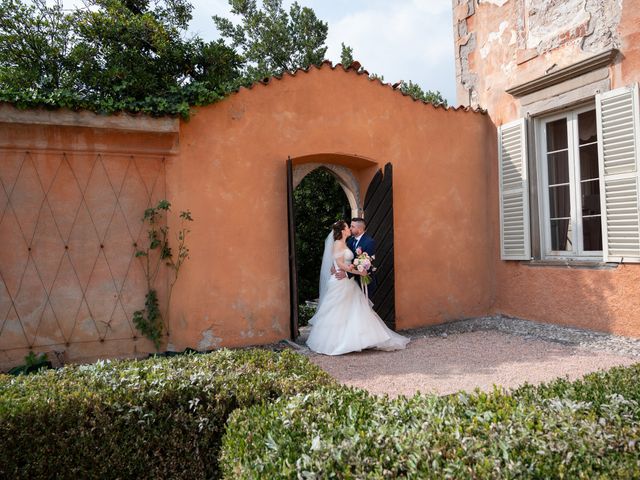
(355, 245)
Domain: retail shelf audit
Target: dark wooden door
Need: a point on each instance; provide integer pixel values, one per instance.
(378, 213)
(293, 279)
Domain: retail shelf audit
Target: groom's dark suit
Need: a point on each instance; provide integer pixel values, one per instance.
(367, 244)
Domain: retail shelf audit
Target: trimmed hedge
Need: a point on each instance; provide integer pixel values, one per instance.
(583, 429)
(155, 418)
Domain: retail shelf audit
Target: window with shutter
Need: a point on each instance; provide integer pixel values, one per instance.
(618, 131)
(514, 192)
(568, 167)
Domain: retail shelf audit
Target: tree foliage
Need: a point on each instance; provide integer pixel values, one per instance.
(272, 41)
(346, 55)
(35, 41)
(318, 202)
(414, 90)
(135, 55)
(110, 55)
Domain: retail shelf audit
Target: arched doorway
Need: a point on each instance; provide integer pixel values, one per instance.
(377, 209)
(319, 199)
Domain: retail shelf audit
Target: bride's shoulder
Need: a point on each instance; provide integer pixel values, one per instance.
(339, 246)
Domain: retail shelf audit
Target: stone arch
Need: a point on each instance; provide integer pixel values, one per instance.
(345, 178)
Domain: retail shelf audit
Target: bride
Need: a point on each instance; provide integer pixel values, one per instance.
(345, 321)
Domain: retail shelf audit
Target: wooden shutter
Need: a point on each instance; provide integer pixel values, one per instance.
(515, 241)
(617, 117)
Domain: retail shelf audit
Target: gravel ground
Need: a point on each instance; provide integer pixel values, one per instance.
(478, 353)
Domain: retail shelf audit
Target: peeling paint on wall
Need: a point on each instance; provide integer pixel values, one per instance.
(548, 20)
(509, 35)
(468, 78)
(552, 23)
(209, 341)
(602, 32)
(493, 37)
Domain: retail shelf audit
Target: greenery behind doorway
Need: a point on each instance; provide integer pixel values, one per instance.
(318, 201)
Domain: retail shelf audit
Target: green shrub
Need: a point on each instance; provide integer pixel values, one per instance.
(156, 418)
(535, 432)
(305, 312)
(32, 363)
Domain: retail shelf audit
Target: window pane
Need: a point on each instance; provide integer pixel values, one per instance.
(591, 197)
(558, 167)
(557, 135)
(587, 131)
(592, 233)
(560, 235)
(559, 201)
(589, 161)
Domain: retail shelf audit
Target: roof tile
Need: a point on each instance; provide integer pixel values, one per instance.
(355, 66)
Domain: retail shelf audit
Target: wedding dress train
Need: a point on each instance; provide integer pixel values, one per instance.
(345, 321)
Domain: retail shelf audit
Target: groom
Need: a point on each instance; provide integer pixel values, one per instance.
(360, 239)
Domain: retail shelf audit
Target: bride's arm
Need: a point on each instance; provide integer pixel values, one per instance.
(346, 267)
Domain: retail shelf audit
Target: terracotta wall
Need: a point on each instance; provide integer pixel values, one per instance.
(500, 44)
(496, 50)
(74, 187)
(72, 194)
(231, 174)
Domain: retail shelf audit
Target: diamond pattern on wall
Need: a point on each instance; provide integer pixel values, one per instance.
(69, 223)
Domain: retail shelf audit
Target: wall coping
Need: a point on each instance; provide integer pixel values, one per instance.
(567, 73)
(85, 118)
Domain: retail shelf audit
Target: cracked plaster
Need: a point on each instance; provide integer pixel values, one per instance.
(537, 27)
(552, 23)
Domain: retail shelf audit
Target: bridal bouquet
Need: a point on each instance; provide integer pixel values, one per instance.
(364, 263)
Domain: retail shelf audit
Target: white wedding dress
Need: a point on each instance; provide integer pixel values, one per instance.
(345, 321)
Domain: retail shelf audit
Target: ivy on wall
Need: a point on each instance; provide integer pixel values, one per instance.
(154, 255)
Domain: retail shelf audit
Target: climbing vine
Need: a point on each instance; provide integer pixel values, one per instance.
(158, 252)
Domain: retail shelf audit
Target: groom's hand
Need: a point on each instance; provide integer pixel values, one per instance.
(339, 274)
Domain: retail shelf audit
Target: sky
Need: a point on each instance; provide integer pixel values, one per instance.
(398, 39)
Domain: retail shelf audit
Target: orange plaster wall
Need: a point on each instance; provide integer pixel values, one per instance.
(230, 173)
(604, 300)
(71, 203)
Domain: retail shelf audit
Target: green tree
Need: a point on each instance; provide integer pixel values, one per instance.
(111, 55)
(318, 202)
(272, 41)
(34, 44)
(346, 55)
(414, 90)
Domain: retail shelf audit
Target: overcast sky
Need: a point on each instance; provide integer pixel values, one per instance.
(399, 39)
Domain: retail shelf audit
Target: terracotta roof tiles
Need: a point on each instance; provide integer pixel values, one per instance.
(355, 66)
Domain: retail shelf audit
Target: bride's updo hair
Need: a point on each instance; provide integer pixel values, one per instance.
(337, 229)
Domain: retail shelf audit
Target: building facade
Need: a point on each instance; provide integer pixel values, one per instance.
(559, 79)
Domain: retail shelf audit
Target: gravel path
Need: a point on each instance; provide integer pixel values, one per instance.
(479, 353)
